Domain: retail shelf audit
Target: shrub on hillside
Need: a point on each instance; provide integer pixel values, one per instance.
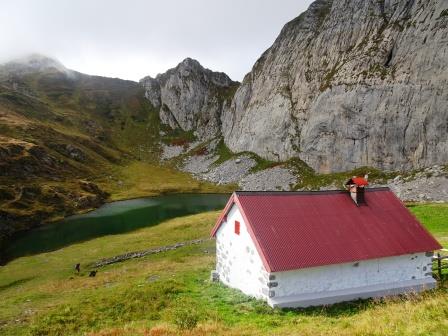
(185, 318)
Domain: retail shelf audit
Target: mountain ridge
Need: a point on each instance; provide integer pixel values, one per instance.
(59, 130)
(346, 84)
(68, 142)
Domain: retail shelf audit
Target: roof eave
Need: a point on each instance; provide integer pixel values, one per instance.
(222, 215)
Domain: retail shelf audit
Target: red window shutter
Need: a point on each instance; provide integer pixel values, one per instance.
(237, 227)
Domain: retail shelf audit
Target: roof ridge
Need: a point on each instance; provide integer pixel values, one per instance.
(302, 192)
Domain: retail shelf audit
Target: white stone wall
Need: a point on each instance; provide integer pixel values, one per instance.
(237, 261)
(351, 275)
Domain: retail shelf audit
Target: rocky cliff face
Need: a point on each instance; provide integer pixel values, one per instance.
(190, 97)
(349, 83)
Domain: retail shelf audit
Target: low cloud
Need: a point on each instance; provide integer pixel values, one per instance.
(134, 38)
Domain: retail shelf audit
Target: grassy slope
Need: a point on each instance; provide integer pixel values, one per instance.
(42, 296)
(139, 179)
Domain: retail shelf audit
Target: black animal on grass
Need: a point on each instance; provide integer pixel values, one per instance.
(92, 274)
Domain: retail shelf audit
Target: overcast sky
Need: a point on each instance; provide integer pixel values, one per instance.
(133, 38)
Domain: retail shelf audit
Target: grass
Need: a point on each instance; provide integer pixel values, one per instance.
(224, 154)
(139, 179)
(176, 137)
(170, 294)
(435, 218)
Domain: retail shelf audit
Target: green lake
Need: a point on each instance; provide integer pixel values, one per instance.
(112, 218)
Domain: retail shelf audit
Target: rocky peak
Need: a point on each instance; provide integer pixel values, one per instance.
(310, 19)
(191, 69)
(190, 97)
(190, 63)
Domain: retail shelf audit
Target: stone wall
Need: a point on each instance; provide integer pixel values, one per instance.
(352, 275)
(237, 261)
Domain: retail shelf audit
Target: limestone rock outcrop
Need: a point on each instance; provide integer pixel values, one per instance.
(190, 97)
(349, 83)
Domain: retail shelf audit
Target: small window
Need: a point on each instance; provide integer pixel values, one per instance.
(237, 227)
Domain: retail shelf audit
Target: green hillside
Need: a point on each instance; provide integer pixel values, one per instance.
(70, 141)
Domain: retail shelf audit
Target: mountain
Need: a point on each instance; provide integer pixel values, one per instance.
(190, 97)
(59, 130)
(348, 84)
(31, 64)
(67, 138)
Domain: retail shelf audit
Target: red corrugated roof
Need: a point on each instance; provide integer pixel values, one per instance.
(293, 230)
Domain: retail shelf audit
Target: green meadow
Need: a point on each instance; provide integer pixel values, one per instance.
(170, 293)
